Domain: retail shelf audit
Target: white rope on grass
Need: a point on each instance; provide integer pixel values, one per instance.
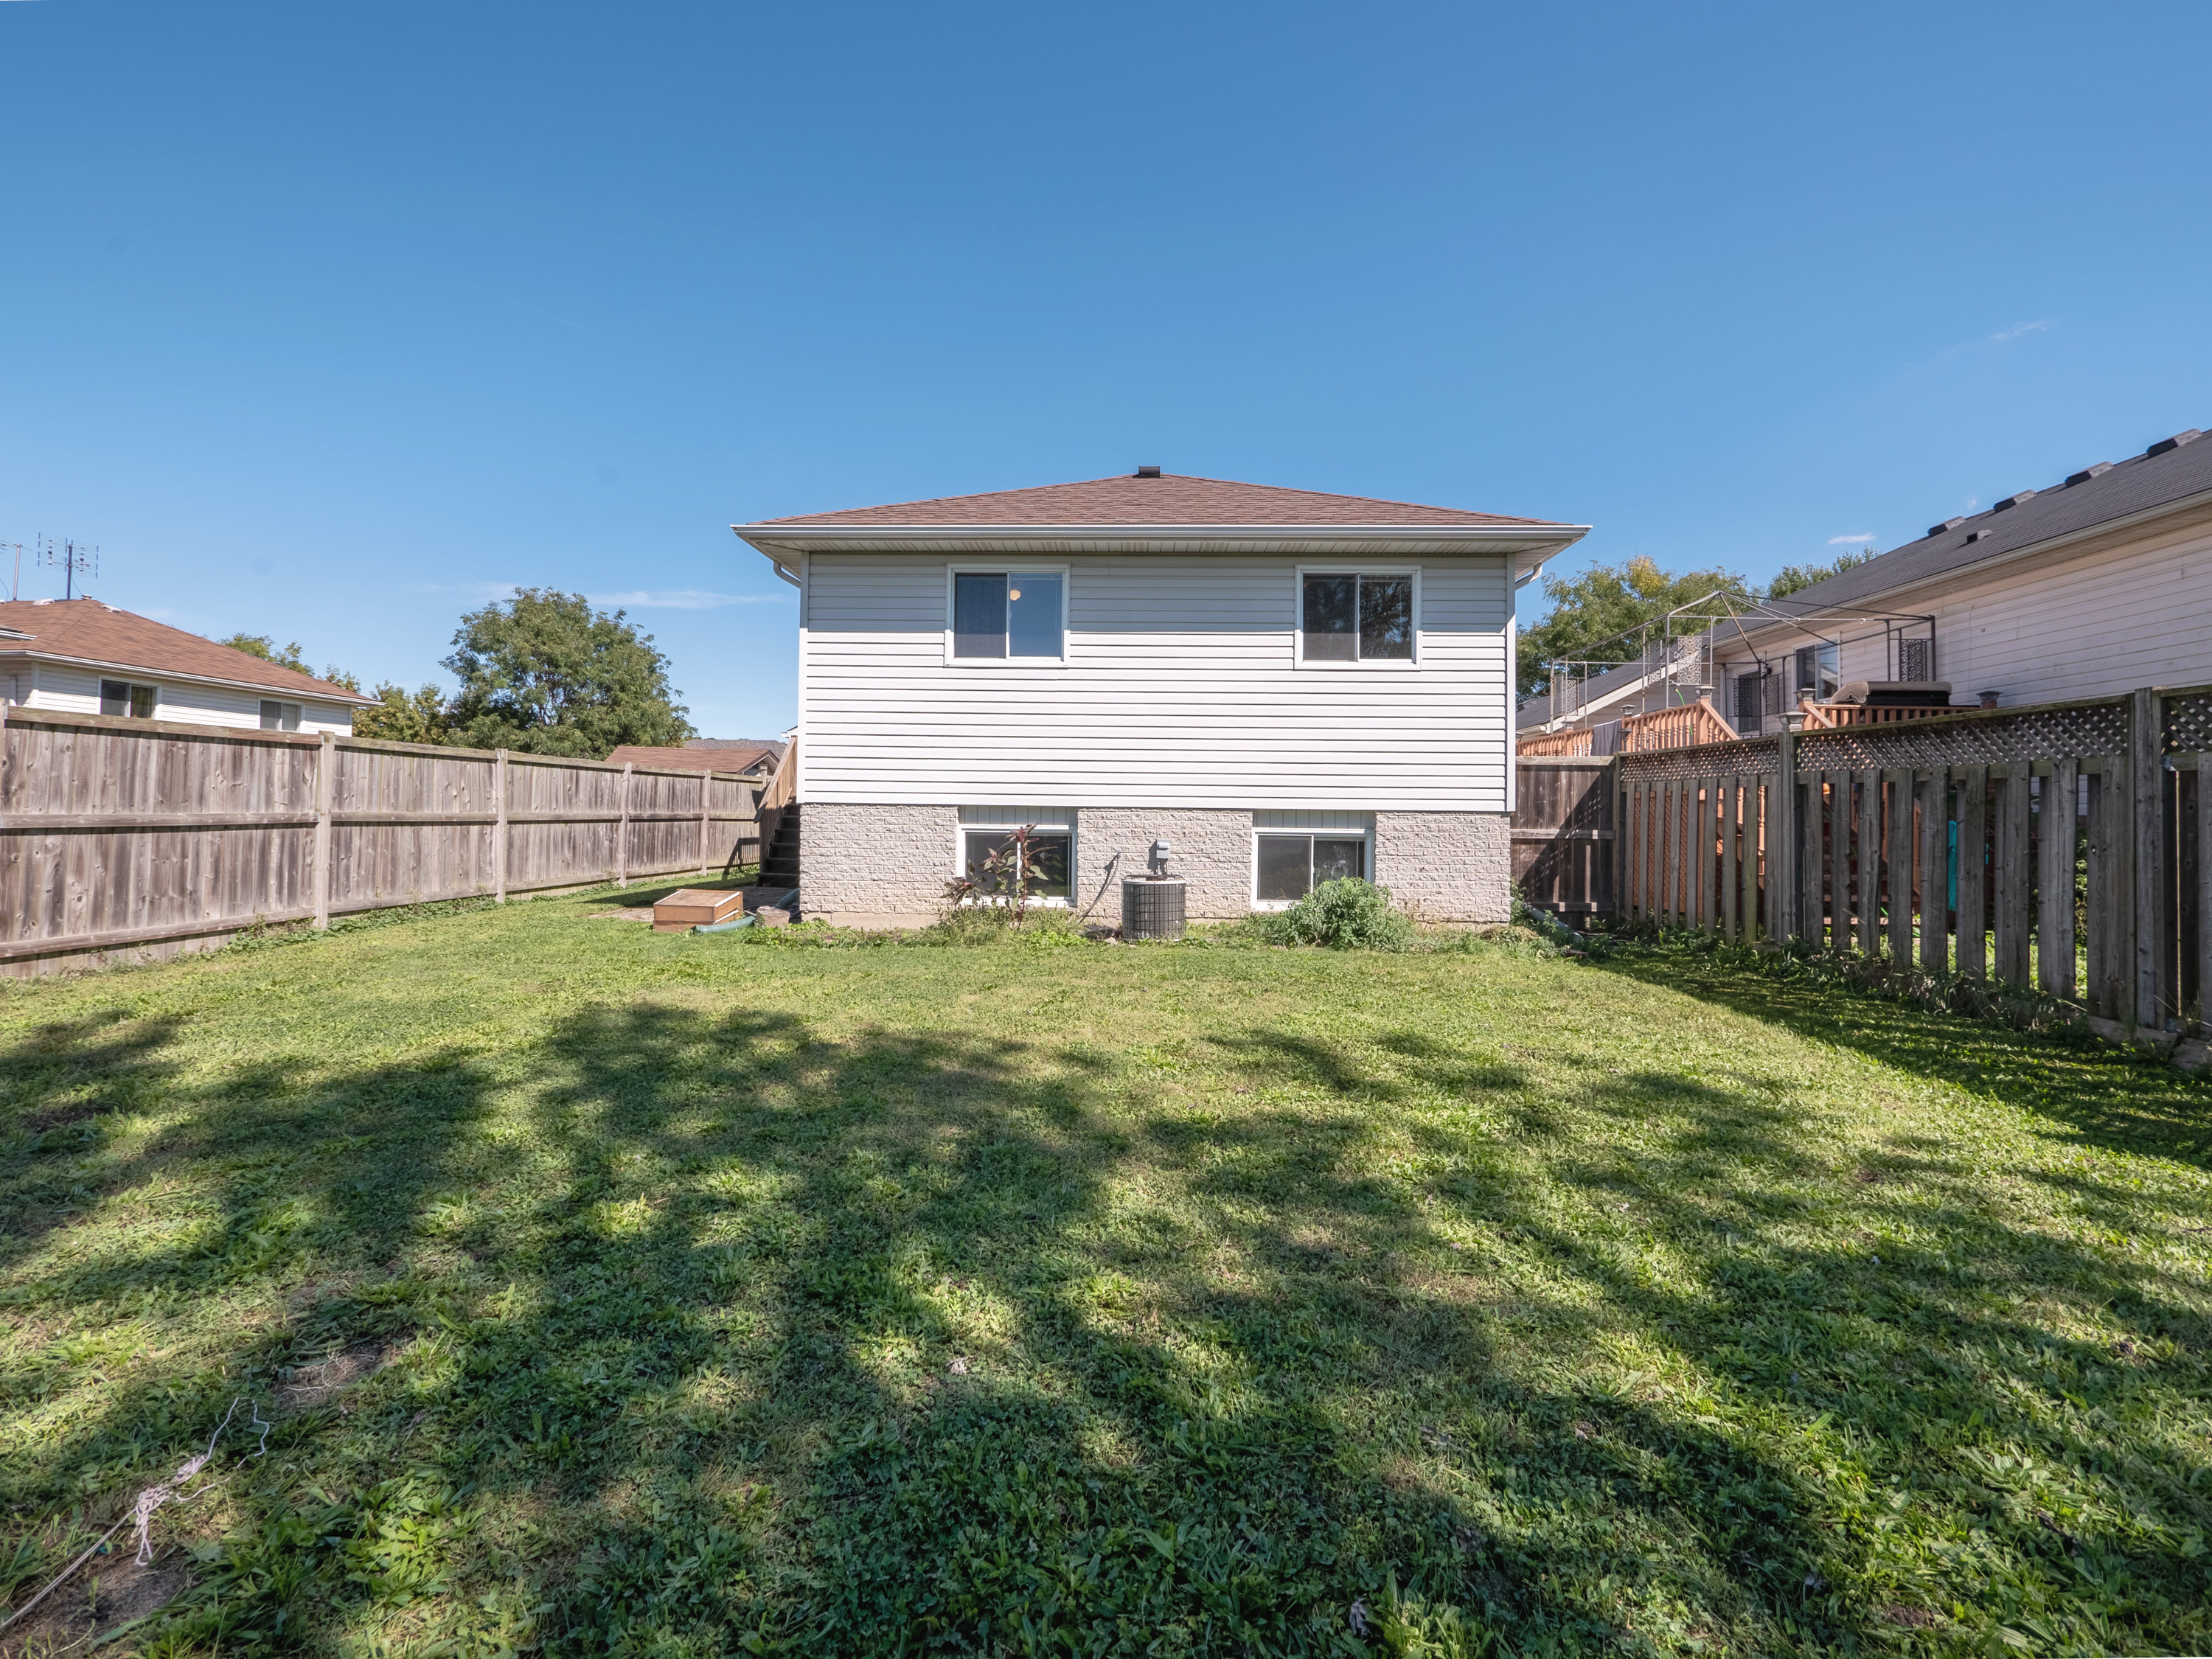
(141, 1512)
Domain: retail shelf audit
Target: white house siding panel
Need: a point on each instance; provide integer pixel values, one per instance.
(185, 702)
(2091, 624)
(65, 690)
(1181, 688)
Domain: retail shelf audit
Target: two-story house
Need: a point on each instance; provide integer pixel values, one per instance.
(1262, 687)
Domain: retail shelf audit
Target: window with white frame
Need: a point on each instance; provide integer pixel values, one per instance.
(1356, 615)
(121, 698)
(1009, 615)
(1293, 853)
(279, 716)
(985, 854)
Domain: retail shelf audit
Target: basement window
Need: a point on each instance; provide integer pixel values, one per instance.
(279, 716)
(120, 697)
(986, 838)
(1293, 853)
(1009, 615)
(1346, 616)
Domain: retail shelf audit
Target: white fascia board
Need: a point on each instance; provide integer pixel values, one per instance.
(145, 672)
(1530, 544)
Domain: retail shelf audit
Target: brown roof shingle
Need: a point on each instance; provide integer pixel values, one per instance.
(88, 629)
(1169, 500)
(732, 758)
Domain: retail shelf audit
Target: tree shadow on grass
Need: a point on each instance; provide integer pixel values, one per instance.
(2105, 1096)
(725, 1334)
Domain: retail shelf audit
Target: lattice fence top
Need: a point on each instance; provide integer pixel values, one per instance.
(2189, 722)
(1990, 737)
(1709, 759)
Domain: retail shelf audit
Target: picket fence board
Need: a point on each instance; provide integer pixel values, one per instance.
(2066, 846)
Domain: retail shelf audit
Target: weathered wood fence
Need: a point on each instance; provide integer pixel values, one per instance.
(1564, 856)
(2067, 846)
(137, 838)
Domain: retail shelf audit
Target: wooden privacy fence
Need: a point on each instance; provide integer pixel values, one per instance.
(130, 834)
(1563, 834)
(2067, 846)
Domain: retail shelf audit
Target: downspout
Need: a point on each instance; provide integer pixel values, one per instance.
(1512, 700)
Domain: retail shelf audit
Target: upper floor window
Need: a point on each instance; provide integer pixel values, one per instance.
(279, 716)
(120, 697)
(1348, 616)
(1000, 613)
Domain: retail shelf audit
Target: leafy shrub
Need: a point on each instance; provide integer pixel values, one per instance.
(1346, 915)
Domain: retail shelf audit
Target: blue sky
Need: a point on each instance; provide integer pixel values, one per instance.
(330, 322)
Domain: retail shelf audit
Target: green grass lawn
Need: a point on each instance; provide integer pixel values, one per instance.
(699, 1295)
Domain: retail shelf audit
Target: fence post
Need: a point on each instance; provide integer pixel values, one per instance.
(705, 816)
(2146, 740)
(1935, 872)
(324, 759)
(1782, 843)
(2204, 891)
(498, 828)
(2054, 950)
(621, 832)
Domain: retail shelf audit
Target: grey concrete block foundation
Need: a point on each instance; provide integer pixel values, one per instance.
(886, 866)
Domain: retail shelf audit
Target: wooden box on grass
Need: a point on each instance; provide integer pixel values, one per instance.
(695, 907)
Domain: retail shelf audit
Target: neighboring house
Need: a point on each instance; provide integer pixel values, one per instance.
(2097, 585)
(81, 657)
(1267, 687)
(746, 756)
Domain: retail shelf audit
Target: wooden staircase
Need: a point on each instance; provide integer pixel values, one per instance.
(780, 860)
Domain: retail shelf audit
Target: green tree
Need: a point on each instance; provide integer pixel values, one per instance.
(1792, 577)
(288, 656)
(1589, 610)
(544, 673)
(399, 717)
(266, 647)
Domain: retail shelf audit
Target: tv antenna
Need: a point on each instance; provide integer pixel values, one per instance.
(71, 556)
(14, 587)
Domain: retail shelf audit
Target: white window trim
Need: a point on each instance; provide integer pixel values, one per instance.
(1365, 836)
(1351, 567)
(1007, 566)
(960, 828)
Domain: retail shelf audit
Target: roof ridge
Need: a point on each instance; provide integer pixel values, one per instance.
(1175, 509)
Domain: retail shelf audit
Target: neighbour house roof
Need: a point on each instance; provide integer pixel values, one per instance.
(696, 756)
(2171, 471)
(98, 635)
(2168, 471)
(1169, 499)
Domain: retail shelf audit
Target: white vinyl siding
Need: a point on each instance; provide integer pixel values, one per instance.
(1181, 687)
(2087, 625)
(76, 692)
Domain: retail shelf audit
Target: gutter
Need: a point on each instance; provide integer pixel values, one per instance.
(335, 695)
(776, 540)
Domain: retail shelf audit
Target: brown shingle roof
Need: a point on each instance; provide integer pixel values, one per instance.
(89, 631)
(734, 758)
(1168, 499)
